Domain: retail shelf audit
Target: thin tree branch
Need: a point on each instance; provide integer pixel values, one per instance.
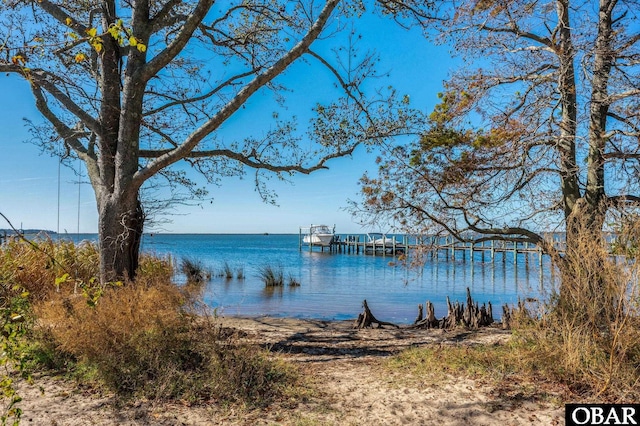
(238, 100)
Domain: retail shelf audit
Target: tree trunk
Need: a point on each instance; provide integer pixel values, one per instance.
(586, 284)
(121, 222)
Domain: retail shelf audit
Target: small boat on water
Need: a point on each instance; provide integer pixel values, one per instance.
(319, 235)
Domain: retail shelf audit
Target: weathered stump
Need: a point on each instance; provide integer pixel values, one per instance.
(420, 314)
(430, 321)
(513, 314)
(469, 315)
(455, 314)
(366, 319)
(475, 316)
(506, 317)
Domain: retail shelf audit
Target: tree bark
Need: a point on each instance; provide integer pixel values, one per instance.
(121, 222)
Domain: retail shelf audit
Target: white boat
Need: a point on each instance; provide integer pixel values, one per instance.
(378, 239)
(319, 235)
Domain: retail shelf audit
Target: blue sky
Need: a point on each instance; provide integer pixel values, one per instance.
(29, 179)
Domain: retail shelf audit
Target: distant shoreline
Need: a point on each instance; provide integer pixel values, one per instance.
(10, 232)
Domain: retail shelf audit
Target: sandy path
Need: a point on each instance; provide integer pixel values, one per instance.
(350, 387)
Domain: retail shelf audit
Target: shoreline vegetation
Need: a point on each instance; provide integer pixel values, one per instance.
(151, 351)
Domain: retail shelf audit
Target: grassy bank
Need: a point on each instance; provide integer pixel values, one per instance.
(146, 339)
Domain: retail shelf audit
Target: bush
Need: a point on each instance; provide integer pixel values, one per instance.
(143, 342)
(14, 323)
(149, 338)
(591, 327)
(588, 334)
(146, 339)
(38, 266)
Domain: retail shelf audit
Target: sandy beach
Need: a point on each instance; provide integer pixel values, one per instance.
(348, 385)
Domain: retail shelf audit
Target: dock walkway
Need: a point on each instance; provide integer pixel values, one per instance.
(434, 246)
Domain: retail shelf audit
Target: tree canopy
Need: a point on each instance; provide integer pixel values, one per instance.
(539, 130)
(132, 88)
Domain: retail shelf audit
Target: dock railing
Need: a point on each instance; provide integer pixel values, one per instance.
(436, 246)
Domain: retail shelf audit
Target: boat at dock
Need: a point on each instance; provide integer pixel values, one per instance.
(319, 235)
(379, 242)
(382, 240)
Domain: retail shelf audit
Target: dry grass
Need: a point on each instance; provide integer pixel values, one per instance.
(36, 269)
(149, 338)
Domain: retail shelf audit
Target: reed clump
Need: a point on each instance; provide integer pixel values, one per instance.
(146, 338)
(293, 281)
(240, 272)
(227, 271)
(195, 271)
(271, 276)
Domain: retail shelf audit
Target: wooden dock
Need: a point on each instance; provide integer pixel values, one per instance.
(436, 247)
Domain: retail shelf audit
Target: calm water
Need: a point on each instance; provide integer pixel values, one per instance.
(333, 286)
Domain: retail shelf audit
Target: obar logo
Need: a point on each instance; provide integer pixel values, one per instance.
(602, 414)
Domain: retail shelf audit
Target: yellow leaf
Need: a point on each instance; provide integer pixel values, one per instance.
(141, 47)
(115, 33)
(68, 21)
(18, 60)
(98, 47)
(132, 41)
(80, 57)
(92, 32)
(73, 36)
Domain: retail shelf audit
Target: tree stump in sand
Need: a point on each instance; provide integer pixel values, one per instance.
(470, 315)
(506, 317)
(430, 321)
(367, 320)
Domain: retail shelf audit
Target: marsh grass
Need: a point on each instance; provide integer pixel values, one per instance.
(195, 271)
(293, 281)
(271, 276)
(240, 272)
(227, 271)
